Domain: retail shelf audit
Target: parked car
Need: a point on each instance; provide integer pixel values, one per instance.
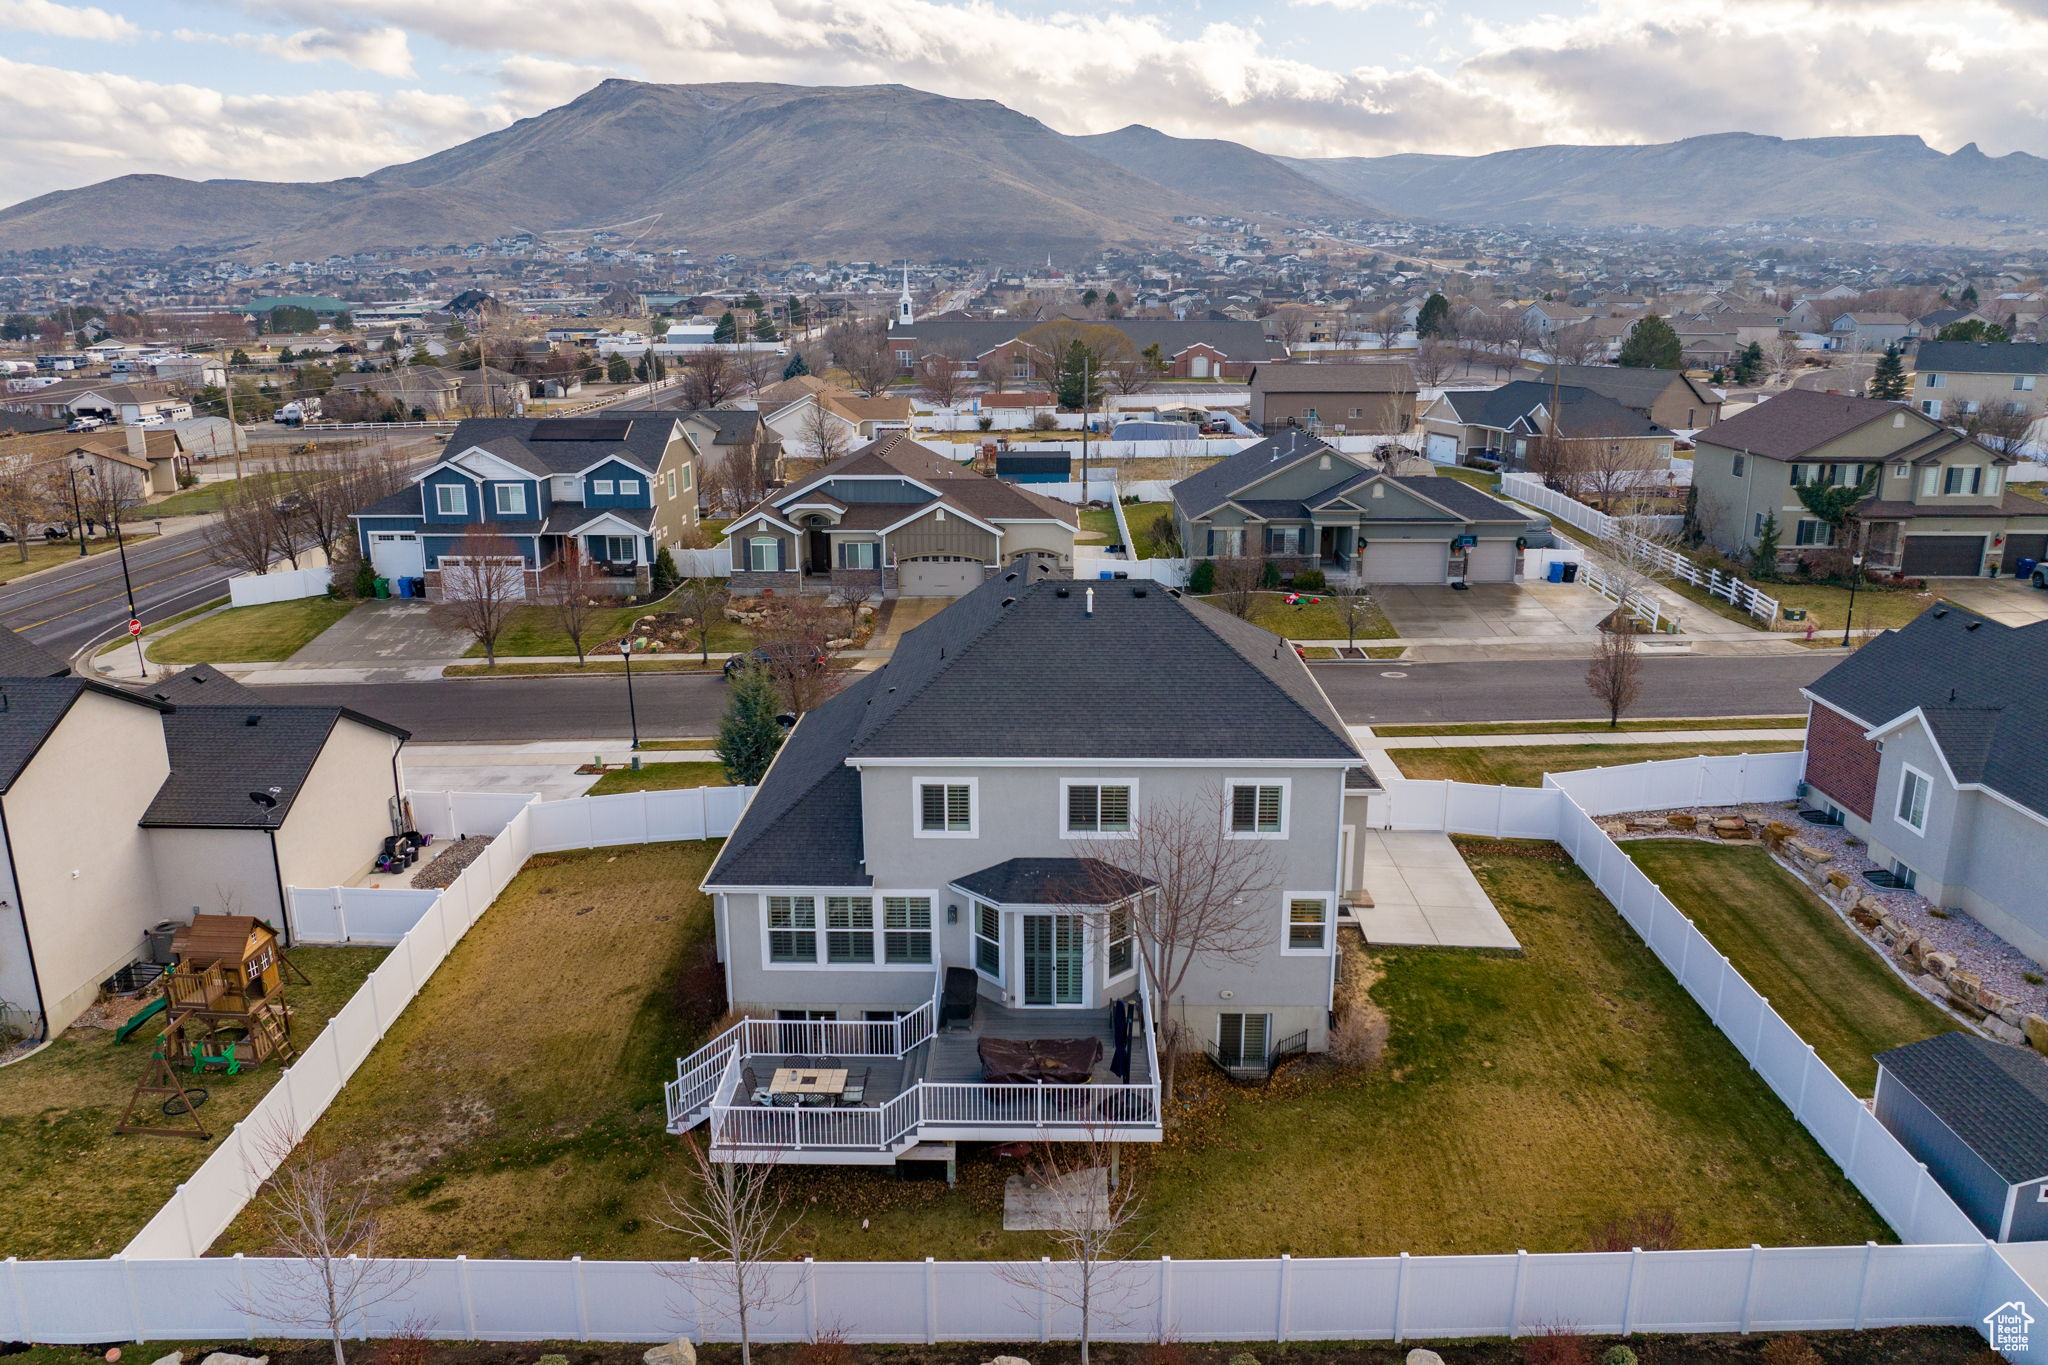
(754, 658)
(85, 424)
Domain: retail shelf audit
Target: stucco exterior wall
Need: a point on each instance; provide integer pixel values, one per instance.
(343, 812)
(215, 872)
(88, 882)
(1023, 537)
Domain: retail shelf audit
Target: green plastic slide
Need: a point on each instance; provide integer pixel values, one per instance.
(143, 1015)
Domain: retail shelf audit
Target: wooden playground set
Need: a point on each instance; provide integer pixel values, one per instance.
(222, 1010)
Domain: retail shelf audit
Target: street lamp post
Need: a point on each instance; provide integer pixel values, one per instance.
(1855, 575)
(626, 653)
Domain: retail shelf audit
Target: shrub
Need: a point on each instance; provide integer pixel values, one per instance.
(1045, 421)
(1650, 1229)
(366, 579)
(665, 577)
(697, 993)
(1269, 575)
(1202, 578)
(1244, 1358)
(1618, 1355)
(1790, 1350)
(1165, 532)
(188, 480)
(1359, 1042)
(1168, 1350)
(1557, 1345)
(829, 1348)
(1311, 580)
(408, 1345)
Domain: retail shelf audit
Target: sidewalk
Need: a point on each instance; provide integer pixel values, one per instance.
(547, 767)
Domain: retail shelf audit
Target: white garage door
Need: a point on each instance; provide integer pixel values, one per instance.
(397, 554)
(938, 576)
(1442, 449)
(1491, 561)
(1406, 561)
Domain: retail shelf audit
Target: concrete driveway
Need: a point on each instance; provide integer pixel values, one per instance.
(1424, 894)
(1506, 611)
(390, 631)
(2009, 601)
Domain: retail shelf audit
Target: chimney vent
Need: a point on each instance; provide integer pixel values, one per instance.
(1088, 600)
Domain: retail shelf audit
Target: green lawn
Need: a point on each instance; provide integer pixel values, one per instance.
(1524, 766)
(241, 635)
(1102, 522)
(536, 631)
(1309, 620)
(43, 554)
(72, 1187)
(1484, 480)
(209, 497)
(657, 777)
(1817, 972)
(1526, 1099)
(1575, 727)
(1140, 516)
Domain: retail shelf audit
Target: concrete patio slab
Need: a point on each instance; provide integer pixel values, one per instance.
(384, 632)
(2008, 601)
(1425, 895)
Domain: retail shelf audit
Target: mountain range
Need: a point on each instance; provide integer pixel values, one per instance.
(797, 172)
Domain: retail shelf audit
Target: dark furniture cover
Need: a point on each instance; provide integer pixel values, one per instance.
(1023, 1060)
(956, 1005)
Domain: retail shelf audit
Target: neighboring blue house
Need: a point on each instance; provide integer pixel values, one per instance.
(614, 489)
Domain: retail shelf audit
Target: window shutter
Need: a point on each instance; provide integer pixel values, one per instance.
(1244, 808)
(1081, 808)
(1114, 808)
(1269, 808)
(934, 806)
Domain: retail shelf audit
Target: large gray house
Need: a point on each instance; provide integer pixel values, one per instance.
(1931, 742)
(1299, 501)
(933, 891)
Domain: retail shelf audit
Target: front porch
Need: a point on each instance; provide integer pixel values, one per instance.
(909, 1081)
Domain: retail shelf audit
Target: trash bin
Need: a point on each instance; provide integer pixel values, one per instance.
(383, 587)
(2023, 567)
(1557, 571)
(1571, 572)
(1793, 613)
(1105, 575)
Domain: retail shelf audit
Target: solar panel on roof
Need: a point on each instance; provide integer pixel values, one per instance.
(580, 429)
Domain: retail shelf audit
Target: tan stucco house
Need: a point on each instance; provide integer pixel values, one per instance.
(1371, 399)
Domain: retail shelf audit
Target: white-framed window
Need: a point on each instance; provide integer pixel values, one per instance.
(1930, 477)
(1226, 541)
(451, 499)
(1899, 471)
(1993, 480)
(672, 484)
(849, 929)
(601, 488)
(620, 549)
(907, 929)
(1242, 1039)
(1091, 809)
(1914, 789)
(1931, 406)
(764, 554)
(1810, 531)
(1934, 381)
(988, 942)
(2024, 383)
(1121, 932)
(945, 808)
(1258, 810)
(792, 929)
(1308, 923)
(629, 488)
(1284, 540)
(858, 554)
(1963, 478)
(509, 498)
(1908, 877)
(686, 476)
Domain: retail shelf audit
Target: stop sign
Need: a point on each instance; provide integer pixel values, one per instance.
(134, 627)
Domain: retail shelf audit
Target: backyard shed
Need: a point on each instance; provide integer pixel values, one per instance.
(1976, 1112)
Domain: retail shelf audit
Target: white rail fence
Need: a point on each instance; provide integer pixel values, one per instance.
(1384, 1298)
(1528, 489)
(285, 585)
(423, 926)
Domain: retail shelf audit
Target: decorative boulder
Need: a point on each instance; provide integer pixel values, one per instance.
(1808, 852)
(1939, 965)
(1009, 1360)
(1860, 913)
(2036, 1030)
(1422, 1355)
(677, 1352)
(1839, 879)
(229, 1358)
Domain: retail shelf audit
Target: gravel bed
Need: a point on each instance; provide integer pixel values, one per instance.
(2001, 966)
(447, 865)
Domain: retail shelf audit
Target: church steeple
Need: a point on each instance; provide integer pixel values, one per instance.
(904, 316)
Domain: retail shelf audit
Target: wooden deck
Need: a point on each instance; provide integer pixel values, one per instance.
(951, 1057)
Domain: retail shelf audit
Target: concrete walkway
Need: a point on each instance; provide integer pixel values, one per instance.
(547, 767)
(1425, 895)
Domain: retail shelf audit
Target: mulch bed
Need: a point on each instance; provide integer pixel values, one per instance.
(450, 861)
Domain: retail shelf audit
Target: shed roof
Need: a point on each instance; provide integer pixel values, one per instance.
(1993, 1096)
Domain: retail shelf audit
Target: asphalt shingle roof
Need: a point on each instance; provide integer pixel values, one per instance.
(1235, 339)
(1977, 682)
(1979, 357)
(1052, 881)
(1991, 1095)
(1795, 422)
(202, 685)
(22, 658)
(1305, 377)
(1581, 411)
(1634, 387)
(218, 757)
(1207, 489)
(513, 438)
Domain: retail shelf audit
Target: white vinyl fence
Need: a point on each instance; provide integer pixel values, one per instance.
(1384, 1298)
(1529, 490)
(1171, 572)
(423, 926)
(715, 562)
(282, 585)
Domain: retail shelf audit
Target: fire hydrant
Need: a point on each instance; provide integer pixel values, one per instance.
(1809, 628)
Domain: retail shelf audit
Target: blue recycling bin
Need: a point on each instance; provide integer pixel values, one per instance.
(2024, 568)
(1557, 571)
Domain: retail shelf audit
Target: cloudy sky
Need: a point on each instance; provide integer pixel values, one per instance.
(315, 89)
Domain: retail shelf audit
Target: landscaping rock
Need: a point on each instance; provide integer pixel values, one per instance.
(1682, 819)
(678, 1352)
(1808, 852)
(1939, 965)
(174, 1358)
(2036, 1030)
(1423, 1356)
(228, 1358)
(1860, 915)
(1009, 1360)
(2002, 1031)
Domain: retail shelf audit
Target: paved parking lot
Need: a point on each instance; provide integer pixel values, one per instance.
(1507, 611)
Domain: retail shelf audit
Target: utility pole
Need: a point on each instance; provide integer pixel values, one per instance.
(227, 386)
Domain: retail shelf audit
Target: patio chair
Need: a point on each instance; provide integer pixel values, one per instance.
(759, 1093)
(856, 1088)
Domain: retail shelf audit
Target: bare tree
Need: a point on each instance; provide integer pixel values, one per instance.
(2000, 425)
(1434, 361)
(315, 1216)
(1785, 358)
(570, 594)
(1206, 897)
(709, 377)
(704, 601)
(1576, 343)
(1353, 601)
(796, 639)
(24, 499)
(1388, 324)
(758, 369)
(245, 534)
(1631, 558)
(109, 492)
(318, 494)
(1237, 579)
(480, 589)
(863, 351)
(1289, 326)
(732, 1211)
(823, 432)
(1182, 453)
(1616, 674)
(939, 379)
(1089, 1219)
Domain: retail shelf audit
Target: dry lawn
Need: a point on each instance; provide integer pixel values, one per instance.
(1524, 765)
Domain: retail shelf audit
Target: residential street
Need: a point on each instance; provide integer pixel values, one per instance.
(67, 608)
(688, 705)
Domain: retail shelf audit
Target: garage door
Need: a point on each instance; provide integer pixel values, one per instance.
(397, 554)
(2033, 545)
(1442, 449)
(938, 576)
(1943, 557)
(1406, 561)
(1491, 561)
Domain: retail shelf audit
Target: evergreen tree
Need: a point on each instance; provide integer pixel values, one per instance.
(1973, 329)
(664, 577)
(618, 370)
(1763, 556)
(728, 329)
(643, 370)
(1749, 366)
(752, 302)
(1651, 345)
(1835, 503)
(1079, 382)
(795, 309)
(1434, 317)
(748, 734)
(796, 366)
(1889, 382)
(1969, 299)
(238, 356)
(764, 328)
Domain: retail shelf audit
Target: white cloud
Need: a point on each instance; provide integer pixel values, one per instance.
(384, 51)
(186, 130)
(66, 21)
